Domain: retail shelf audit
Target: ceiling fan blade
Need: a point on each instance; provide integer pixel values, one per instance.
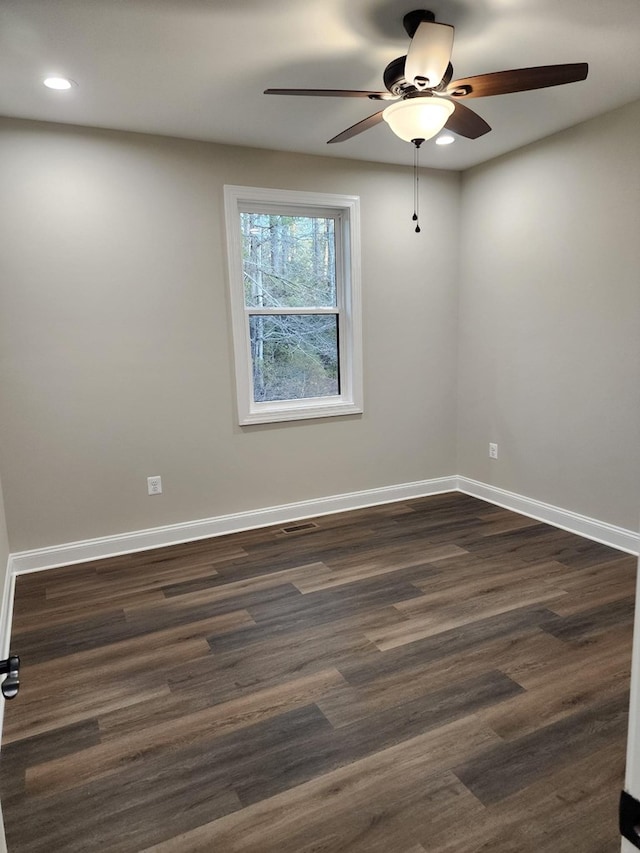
(332, 93)
(429, 54)
(355, 129)
(465, 122)
(518, 80)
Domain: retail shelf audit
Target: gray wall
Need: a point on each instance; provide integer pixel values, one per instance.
(115, 358)
(549, 317)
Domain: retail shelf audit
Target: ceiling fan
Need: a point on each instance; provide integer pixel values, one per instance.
(425, 99)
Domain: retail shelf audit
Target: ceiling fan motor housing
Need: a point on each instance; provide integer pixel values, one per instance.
(396, 82)
(394, 78)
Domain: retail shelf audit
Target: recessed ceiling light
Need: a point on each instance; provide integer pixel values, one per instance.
(59, 83)
(445, 139)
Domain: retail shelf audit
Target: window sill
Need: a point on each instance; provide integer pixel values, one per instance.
(274, 413)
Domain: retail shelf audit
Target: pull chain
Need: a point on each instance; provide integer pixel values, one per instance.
(416, 182)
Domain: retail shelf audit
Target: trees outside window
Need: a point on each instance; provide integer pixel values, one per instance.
(295, 299)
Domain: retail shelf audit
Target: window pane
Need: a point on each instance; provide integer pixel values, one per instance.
(288, 261)
(294, 356)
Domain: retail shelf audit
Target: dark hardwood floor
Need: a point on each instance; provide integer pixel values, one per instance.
(433, 676)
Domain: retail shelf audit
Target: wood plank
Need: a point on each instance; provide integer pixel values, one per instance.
(62, 614)
(65, 709)
(227, 694)
(602, 591)
(332, 748)
(574, 808)
(160, 797)
(376, 804)
(507, 767)
(601, 652)
(482, 577)
(156, 649)
(104, 759)
(233, 589)
(436, 620)
(347, 575)
(120, 663)
(345, 705)
(587, 623)
(551, 695)
(446, 643)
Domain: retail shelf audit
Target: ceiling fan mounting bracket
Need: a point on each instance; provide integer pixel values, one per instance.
(412, 20)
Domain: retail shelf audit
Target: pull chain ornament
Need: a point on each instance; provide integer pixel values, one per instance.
(416, 183)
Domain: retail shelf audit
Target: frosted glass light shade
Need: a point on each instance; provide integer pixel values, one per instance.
(418, 118)
(429, 54)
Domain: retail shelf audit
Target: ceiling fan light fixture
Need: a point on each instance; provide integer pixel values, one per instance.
(418, 118)
(429, 54)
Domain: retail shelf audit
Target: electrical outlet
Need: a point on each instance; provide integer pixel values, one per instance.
(154, 485)
(493, 450)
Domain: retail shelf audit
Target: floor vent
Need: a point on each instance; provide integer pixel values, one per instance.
(295, 528)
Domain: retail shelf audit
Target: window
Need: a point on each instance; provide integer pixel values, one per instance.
(294, 280)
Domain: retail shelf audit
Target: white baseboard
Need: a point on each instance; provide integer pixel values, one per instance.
(157, 537)
(174, 534)
(599, 531)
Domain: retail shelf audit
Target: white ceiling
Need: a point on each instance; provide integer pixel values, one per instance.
(197, 68)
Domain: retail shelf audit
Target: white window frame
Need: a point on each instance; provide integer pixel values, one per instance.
(346, 211)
